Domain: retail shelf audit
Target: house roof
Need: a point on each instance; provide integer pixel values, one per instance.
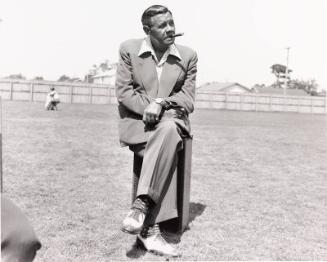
(280, 91)
(220, 87)
(107, 73)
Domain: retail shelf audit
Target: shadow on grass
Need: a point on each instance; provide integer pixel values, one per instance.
(137, 250)
(196, 209)
(170, 234)
(173, 237)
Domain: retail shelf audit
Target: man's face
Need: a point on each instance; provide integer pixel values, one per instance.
(161, 31)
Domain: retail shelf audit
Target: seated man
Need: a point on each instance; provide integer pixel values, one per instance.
(52, 100)
(18, 240)
(155, 88)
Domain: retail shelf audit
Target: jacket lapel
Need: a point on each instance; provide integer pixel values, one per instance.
(148, 74)
(169, 76)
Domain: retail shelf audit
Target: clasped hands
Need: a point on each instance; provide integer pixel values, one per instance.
(152, 113)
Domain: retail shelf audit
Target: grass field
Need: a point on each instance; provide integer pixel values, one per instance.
(258, 184)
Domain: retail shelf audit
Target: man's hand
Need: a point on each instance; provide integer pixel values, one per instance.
(152, 113)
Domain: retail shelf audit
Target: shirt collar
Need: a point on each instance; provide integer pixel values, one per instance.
(147, 47)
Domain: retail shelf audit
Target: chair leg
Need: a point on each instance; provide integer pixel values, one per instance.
(137, 166)
(184, 184)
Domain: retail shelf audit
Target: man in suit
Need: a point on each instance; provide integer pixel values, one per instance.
(155, 88)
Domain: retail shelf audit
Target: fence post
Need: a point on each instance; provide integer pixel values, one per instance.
(112, 95)
(311, 108)
(270, 103)
(226, 100)
(11, 89)
(31, 91)
(256, 102)
(71, 94)
(91, 93)
(109, 95)
(298, 105)
(1, 177)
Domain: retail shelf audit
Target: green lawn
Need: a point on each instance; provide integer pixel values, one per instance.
(258, 184)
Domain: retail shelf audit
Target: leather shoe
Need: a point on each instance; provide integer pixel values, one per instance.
(133, 223)
(154, 242)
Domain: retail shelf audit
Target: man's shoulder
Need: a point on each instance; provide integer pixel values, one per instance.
(131, 45)
(186, 51)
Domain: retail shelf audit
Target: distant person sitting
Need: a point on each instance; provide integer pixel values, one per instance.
(52, 100)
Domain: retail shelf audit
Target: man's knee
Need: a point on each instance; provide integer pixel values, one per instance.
(167, 134)
(168, 127)
(138, 149)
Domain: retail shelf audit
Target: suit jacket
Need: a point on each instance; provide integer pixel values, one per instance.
(137, 85)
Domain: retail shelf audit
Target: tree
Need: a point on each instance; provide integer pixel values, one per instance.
(105, 65)
(16, 76)
(64, 78)
(310, 86)
(99, 69)
(38, 78)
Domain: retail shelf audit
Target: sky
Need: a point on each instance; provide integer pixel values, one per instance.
(236, 40)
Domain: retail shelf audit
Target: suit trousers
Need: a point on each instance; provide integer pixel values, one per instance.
(158, 178)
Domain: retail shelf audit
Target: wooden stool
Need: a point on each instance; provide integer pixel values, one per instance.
(183, 184)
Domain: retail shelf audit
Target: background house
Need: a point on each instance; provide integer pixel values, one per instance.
(104, 73)
(280, 91)
(231, 87)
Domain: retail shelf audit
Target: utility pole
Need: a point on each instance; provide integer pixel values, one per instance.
(286, 72)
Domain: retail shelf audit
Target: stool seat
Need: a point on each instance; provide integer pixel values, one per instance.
(183, 184)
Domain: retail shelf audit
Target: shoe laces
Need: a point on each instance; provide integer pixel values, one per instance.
(140, 205)
(151, 231)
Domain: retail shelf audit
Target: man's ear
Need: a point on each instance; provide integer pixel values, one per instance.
(146, 29)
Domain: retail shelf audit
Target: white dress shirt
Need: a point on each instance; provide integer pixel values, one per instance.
(147, 47)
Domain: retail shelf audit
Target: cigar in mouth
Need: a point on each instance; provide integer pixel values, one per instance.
(178, 34)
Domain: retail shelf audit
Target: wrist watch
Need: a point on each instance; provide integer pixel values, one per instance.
(164, 104)
(160, 101)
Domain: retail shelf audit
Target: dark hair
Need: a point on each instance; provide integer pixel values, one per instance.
(152, 11)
